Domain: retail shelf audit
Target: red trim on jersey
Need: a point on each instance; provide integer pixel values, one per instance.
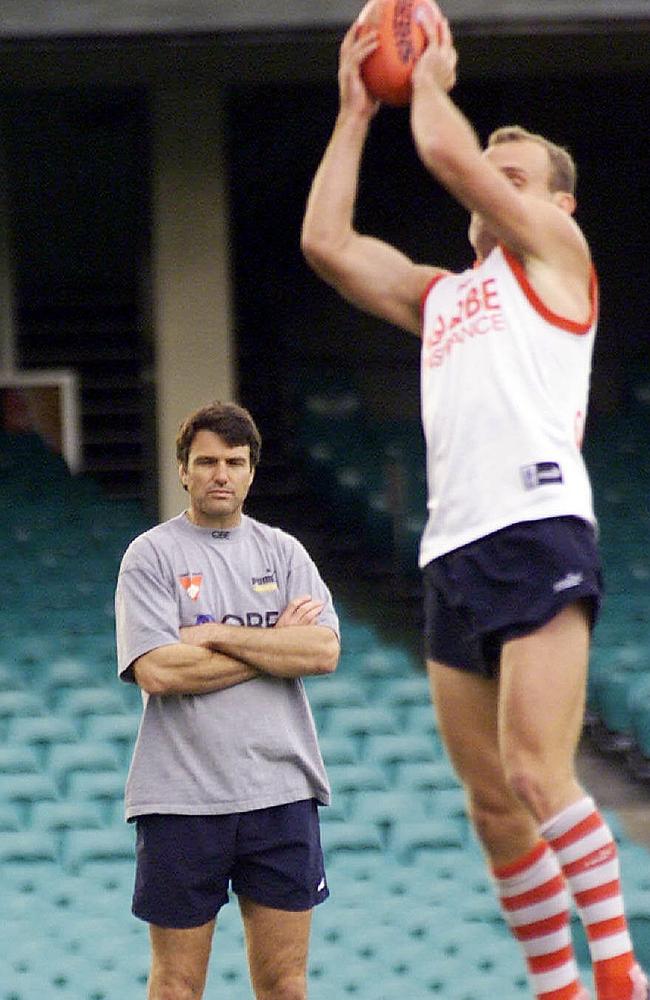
(564, 324)
(434, 281)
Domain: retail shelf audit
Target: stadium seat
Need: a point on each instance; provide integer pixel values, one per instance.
(84, 847)
(356, 777)
(103, 785)
(17, 759)
(389, 807)
(67, 758)
(424, 775)
(9, 817)
(76, 702)
(68, 672)
(42, 730)
(350, 836)
(65, 815)
(407, 692)
(410, 838)
(450, 802)
(350, 720)
(421, 718)
(392, 749)
(338, 750)
(28, 845)
(26, 788)
(328, 692)
(14, 703)
(121, 728)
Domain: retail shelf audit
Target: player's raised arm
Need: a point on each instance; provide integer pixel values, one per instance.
(368, 272)
(512, 202)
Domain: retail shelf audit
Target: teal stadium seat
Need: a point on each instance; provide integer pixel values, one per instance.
(71, 758)
(85, 847)
(352, 720)
(66, 815)
(42, 730)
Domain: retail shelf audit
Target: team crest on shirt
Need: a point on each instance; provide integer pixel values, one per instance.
(191, 585)
(266, 583)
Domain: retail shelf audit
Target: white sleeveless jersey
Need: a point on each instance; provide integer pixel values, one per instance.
(504, 389)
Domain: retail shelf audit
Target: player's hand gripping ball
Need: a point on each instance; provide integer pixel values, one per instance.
(386, 72)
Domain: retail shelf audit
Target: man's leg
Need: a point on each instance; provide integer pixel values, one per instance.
(277, 942)
(179, 962)
(542, 693)
(527, 875)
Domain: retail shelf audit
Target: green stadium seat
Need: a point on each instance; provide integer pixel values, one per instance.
(106, 786)
(392, 749)
(389, 808)
(84, 847)
(28, 845)
(386, 661)
(77, 702)
(351, 720)
(356, 777)
(410, 838)
(426, 776)
(338, 750)
(408, 691)
(121, 729)
(350, 836)
(328, 692)
(17, 759)
(68, 758)
(9, 817)
(26, 788)
(13, 703)
(421, 718)
(66, 815)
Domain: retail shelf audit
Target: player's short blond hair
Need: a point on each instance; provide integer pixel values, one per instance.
(563, 174)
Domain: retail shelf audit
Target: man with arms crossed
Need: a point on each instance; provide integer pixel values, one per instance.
(218, 619)
(511, 570)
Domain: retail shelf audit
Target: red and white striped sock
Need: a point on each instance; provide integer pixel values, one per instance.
(586, 850)
(535, 904)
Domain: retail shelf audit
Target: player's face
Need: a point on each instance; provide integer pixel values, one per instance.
(527, 166)
(218, 477)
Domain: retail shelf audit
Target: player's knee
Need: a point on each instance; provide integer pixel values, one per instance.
(172, 985)
(527, 785)
(284, 986)
(496, 823)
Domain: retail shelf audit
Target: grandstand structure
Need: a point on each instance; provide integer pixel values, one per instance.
(155, 160)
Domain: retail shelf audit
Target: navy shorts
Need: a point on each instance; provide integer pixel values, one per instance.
(184, 864)
(505, 585)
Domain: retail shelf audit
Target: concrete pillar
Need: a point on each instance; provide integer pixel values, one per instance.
(7, 318)
(192, 313)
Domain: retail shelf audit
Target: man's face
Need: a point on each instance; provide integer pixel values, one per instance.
(218, 477)
(527, 166)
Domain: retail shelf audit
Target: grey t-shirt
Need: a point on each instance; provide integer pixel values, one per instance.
(252, 745)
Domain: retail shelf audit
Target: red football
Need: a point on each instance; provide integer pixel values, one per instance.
(387, 71)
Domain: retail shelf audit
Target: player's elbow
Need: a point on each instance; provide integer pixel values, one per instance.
(150, 677)
(316, 250)
(323, 248)
(327, 658)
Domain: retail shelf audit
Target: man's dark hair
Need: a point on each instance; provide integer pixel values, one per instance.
(231, 422)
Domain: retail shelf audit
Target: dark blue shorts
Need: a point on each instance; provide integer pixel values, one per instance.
(505, 585)
(184, 864)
